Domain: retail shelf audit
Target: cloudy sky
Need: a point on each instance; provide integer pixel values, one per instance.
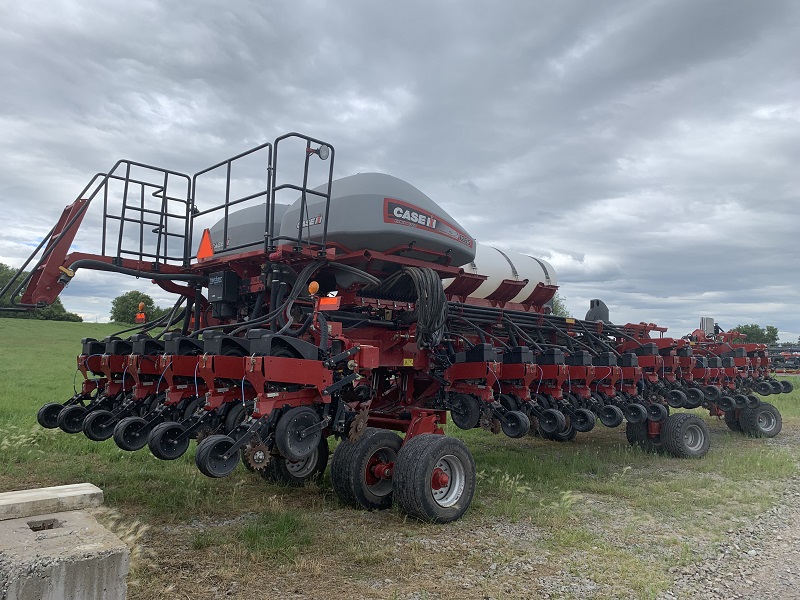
(648, 149)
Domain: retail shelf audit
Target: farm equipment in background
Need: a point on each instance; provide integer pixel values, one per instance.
(357, 309)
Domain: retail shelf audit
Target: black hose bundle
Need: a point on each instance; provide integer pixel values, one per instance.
(430, 313)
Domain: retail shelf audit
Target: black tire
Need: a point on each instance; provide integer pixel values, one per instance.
(740, 400)
(131, 433)
(676, 398)
(726, 403)
(583, 420)
(99, 425)
(634, 412)
(686, 436)
(299, 472)
(776, 386)
(237, 413)
(732, 421)
(288, 430)
(167, 441)
(611, 416)
(565, 435)
(753, 401)
(764, 421)
(763, 388)
(787, 387)
(636, 434)
(552, 420)
(190, 408)
(657, 413)
(694, 398)
(211, 457)
(419, 485)
(516, 424)
(47, 416)
(351, 477)
(465, 411)
(712, 392)
(70, 418)
(508, 402)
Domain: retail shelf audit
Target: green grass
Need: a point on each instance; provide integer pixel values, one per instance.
(603, 509)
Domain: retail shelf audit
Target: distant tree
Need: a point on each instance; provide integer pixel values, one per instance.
(757, 334)
(125, 307)
(560, 306)
(54, 312)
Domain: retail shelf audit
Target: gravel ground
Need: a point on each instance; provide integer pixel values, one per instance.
(760, 560)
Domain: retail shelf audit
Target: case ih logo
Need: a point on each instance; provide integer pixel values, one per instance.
(402, 213)
(312, 221)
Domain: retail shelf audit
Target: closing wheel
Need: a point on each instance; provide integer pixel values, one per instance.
(611, 416)
(694, 398)
(732, 420)
(465, 411)
(676, 398)
(434, 478)
(168, 441)
(763, 388)
(213, 457)
(712, 392)
(740, 400)
(686, 436)
(657, 412)
(131, 433)
(764, 421)
(753, 401)
(296, 473)
(70, 418)
(99, 425)
(634, 412)
(48, 415)
(290, 433)
(637, 435)
(583, 420)
(516, 424)
(552, 420)
(776, 386)
(361, 471)
(786, 387)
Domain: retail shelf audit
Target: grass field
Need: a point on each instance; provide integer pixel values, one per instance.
(547, 517)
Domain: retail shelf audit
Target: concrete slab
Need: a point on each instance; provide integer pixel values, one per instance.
(61, 555)
(25, 503)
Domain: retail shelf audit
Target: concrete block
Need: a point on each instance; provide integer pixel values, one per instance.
(61, 555)
(25, 503)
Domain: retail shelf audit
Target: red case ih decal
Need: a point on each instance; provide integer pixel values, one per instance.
(408, 215)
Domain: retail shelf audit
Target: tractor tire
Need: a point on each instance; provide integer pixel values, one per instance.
(686, 436)
(296, 473)
(516, 425)
(465, 411)
(764, 421)
(130, 434)
(70, 418)
(732, 421)
(99, 425)
(434, 478)
(636, 434)
(351, 471)
(211, 456)
(167, 441)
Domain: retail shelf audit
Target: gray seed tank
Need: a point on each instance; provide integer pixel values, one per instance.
(374, 211)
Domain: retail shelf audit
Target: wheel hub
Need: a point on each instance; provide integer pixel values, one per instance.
(440, 479)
